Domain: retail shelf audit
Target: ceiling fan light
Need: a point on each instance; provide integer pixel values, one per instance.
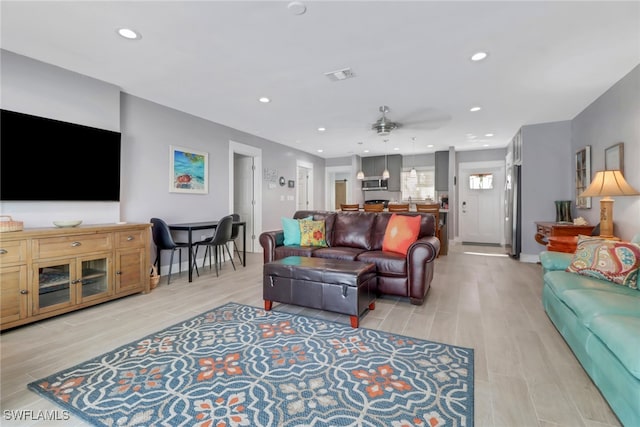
(385, 174)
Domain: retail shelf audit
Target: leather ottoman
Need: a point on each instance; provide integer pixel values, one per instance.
(345, 287)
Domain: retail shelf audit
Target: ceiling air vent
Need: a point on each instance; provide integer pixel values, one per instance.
(338, 75)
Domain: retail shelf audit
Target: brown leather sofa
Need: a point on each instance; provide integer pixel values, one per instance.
(358, 236)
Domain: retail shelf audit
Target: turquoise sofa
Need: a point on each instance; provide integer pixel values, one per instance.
(600, 321)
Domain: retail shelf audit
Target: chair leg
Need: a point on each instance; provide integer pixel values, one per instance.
(230, 256)
(170, 266)
(194, 260)
(235, 247)
(216, 259)
(179, 260)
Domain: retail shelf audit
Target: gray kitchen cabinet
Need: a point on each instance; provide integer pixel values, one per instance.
(394, 163)
(442, 171)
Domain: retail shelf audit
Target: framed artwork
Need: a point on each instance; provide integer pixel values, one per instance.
(291, 183)
(188, 171)
(614, 157)
(583, 177)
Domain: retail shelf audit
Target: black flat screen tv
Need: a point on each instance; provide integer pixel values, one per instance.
(43, 159)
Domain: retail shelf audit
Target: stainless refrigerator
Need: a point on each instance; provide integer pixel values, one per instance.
(512, 211)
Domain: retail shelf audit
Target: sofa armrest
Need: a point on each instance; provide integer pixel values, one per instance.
(269, 240)
(553, 261)
(420, 266)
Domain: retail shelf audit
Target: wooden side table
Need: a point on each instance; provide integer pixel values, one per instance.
(567, 243)
(553, 229)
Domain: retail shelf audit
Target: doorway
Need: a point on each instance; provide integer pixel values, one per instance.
(480, 204)
(340, 190)
(304, 193)
(245, 190)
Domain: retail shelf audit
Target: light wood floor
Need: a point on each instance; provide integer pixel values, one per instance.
(525, 375)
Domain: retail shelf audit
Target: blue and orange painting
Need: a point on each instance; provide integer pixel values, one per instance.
(189, 171)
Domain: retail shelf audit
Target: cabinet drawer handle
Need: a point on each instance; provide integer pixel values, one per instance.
(24, 291)
(73, 282)
(130, 238)
(118, 272)
(3, 251)
(75, 244)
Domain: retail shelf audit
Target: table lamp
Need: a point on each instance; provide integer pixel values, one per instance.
(605, 184)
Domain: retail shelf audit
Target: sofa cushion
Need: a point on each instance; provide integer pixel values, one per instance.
(353, 229)
(620, 334)
(588, 304)
(561, 281)
(285, 251)
(387, 263)
(326, 216)
(312, 233)
(401, 232)
(617, 262)
(343, 253)
(427, 226)
(291, 229)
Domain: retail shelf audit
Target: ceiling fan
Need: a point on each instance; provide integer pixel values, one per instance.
(384, 126)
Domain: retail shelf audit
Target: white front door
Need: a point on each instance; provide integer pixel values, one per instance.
(480, 204)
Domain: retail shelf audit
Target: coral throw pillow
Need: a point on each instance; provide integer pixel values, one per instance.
(312, 233)
(401, 232)
(291, 229)
(617, 262)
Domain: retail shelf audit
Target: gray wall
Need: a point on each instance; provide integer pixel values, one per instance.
(547, 171)
(148, 129)
(612, 118)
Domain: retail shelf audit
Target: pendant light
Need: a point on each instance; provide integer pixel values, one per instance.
(360, 174)
(413, 173)
(385, 172)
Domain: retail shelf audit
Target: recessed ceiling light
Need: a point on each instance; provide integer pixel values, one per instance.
(430, 146)
(320, 150)
(485, 145)
(474, 109)
(396, 148)
(488, 134)
(128, 33)
(264, 100)
(366, 151)
(478, 56)
(321, 129)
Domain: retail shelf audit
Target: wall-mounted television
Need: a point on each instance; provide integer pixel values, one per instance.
(43, 159)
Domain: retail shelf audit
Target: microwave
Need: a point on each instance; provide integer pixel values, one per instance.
(374, 184)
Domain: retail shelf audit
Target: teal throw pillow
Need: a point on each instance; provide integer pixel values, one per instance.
(291, 228)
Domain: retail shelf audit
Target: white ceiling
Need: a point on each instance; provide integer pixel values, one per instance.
(213, 59)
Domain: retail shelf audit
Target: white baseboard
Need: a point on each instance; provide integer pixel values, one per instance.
(529, 258)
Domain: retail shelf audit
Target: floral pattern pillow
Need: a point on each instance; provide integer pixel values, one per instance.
(312, 233)
(617, 262)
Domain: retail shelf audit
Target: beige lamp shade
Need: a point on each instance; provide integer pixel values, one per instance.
(606, 184)
(609, 183)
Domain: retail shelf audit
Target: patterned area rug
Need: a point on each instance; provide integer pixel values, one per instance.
(238, 365)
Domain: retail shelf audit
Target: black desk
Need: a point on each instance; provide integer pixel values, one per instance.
(190, 227)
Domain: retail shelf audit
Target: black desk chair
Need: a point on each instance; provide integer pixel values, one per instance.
(163, 240)
(219, 239)
(235, 232)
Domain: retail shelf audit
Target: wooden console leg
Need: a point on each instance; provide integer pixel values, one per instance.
(354, 321)
(372, 306)
(268, 304)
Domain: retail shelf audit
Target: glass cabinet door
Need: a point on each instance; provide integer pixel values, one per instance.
(54, 286)
(94, 278)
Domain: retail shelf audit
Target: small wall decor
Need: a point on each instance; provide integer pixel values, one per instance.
(270, 175)
(282, 181)
(188, 171)
(583, 177)
(614, 157)
(291, 183)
